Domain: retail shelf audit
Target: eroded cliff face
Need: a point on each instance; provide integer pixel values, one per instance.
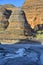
(5, 12)
(12, 23)
(3, 19)
(34, 12)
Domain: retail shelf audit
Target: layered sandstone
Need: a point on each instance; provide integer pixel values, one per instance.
(13, 19)
(34, 12)
(3, 19)
(14, 22)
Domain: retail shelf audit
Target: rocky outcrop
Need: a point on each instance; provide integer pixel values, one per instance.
(12, 17)
(34, 12)
(17, 21)
(13, 22)
(4, 16)
(3, 19)
(7, 6)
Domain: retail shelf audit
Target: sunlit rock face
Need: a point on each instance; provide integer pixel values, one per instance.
(17, 21)
(13, 17)
(34, 12)
(12, 21)
(8, 6)
(33, 3)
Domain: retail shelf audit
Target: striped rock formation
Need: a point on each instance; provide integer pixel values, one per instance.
(4, 16)
(16, 21)
(16, 24)
(34, 12)
(3, 19)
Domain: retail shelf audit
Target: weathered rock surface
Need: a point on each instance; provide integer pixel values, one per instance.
(8, 6)
(14, 16)
(5, 15)
(34, 12)
(3, 19)
(16, 21)
(13, 22)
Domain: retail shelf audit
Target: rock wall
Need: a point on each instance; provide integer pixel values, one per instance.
(3, 19)
(13, 19)
(34, 12)
(14, 22)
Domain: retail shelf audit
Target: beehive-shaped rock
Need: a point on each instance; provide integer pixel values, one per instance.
(34, 12)
(17, 21)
